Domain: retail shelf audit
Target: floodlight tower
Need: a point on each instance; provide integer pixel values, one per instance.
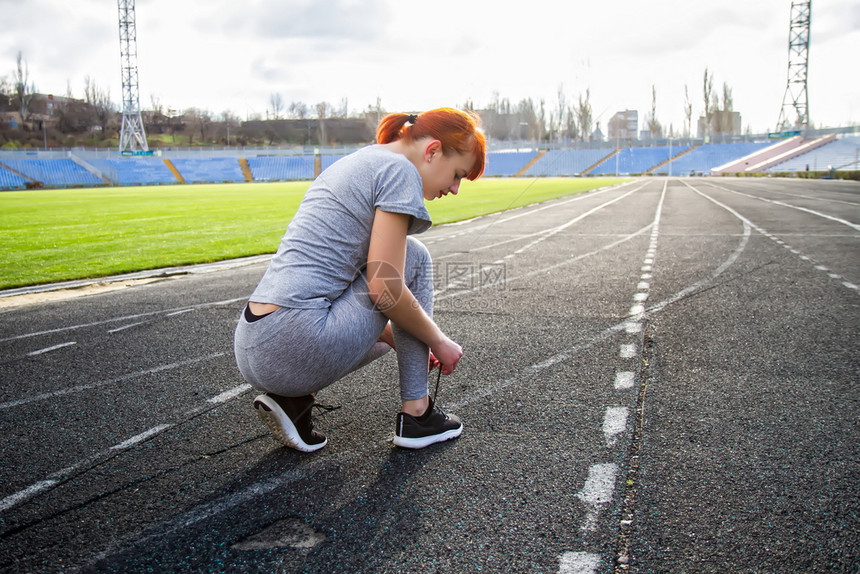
(132, 137)
(795, 101)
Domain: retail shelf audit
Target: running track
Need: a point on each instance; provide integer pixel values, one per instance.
(659, 376)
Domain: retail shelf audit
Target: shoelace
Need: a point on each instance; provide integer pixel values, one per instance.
(436, 391)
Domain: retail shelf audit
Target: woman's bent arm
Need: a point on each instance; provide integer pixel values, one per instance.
(387, 290)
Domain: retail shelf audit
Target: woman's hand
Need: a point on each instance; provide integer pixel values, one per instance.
(447, 353)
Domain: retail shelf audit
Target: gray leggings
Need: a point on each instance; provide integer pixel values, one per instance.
(295, 352)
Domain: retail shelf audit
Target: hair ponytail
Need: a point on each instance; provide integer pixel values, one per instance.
(458, 131)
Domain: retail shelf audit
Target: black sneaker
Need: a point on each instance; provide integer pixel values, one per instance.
(431, 427)
(289, 418)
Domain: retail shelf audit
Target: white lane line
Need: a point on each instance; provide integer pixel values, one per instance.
(544, 270)
(227, 395)
(541, 236)
(597, 492)
(624, 379)
(126, 377)
(579, 563)
(63, 474)
(853, 226)
(526, 211)
(124, 327)
(120, 319)
(614, 423)
(140, 437)
(627, 351)
(748, 223)
(633, 327)
(52, 348)
(26, 494)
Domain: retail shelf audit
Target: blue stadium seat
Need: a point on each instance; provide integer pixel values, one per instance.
(217, 170)
(841, 154)
(135, 170)
(566, 162)
(10, 180)
(507, 162)
(708, 156)
(54, 172)
(282, 167)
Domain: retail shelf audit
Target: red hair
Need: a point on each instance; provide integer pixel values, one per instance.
(457, 130)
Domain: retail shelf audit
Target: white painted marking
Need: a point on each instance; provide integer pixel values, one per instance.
(822, 268)
(648, 261)
(26, 494)
(643, 285)
(633, 327)
(599, 485)
(645, 276)
(645, 268)
(834, 276)
(49, 349)
(124, 327)
(597, 492)
(636, 310)
(640, 297)
(116, 320)
(180, 312)
(628, 351)
(614, 423)
(141, 437)
(227, 395)
(578, 563)
(850, 285)
(53, 394)
(624, 379)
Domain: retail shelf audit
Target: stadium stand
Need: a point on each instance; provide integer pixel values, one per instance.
(209, 170)
(10, 180)
(841, 154)
(281, 167)
(54, 172)
(700, 160)
(134, 170)
(566, 162)
(507, 163)
(635, 160)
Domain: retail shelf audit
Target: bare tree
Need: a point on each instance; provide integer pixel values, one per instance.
(653, 123)
(688, 112)
(584, 115)
(299, 110)
(100, 104)
(323, 110)
(24, 89)
(276, 103)
(708, 92)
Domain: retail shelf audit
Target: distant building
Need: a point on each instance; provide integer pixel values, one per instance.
(624, 126)
(723, 123)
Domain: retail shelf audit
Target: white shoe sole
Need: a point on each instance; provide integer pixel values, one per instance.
(281, 425)
(423, 441)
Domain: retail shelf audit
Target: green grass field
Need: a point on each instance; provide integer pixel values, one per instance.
(58, 235)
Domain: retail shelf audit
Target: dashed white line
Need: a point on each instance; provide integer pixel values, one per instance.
(141, 437)
(27, 493)
(614, 423)
(578, 563)
(227, 395)
(624, 379)
(627, 351)
(49, 349)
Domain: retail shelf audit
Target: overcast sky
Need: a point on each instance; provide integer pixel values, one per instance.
(234, 54)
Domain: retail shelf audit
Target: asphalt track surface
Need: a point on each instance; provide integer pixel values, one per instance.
(661, 376)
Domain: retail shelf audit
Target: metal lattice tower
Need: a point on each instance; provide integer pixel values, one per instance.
(795, 102)
(132, 137)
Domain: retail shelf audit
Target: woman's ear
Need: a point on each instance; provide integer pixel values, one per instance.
(432, 149)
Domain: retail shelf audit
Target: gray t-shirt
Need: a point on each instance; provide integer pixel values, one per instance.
(326, 243)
